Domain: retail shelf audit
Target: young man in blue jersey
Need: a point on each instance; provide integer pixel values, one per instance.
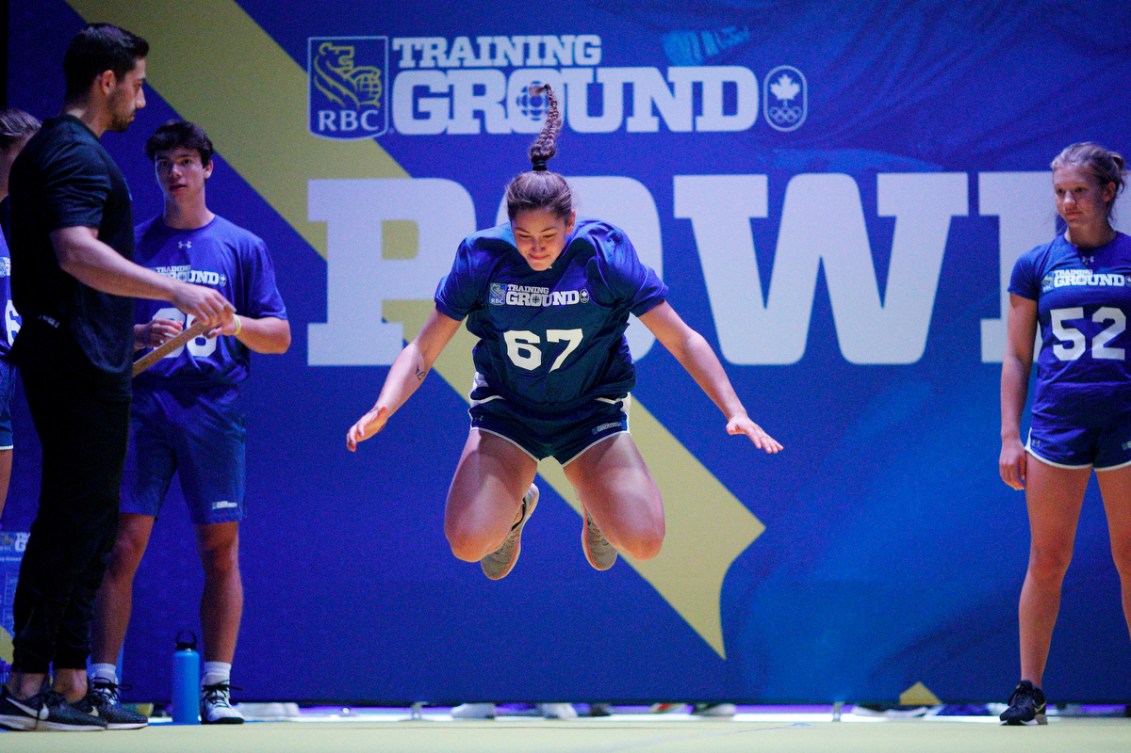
(187, 417)
(1077, 288)
(16, 127)
(73, 278)
(549, 295)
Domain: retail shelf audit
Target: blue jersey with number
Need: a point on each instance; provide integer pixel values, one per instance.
(11, 316)
(219, 255)
(554, 339)
(1083, 301)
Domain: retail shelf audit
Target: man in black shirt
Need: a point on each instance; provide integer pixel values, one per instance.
(73, 277)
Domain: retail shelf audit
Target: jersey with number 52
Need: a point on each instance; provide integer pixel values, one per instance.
(554, 339)
(1083, 300)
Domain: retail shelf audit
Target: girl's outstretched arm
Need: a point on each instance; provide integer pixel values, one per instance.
(695, 355)
(405, 375)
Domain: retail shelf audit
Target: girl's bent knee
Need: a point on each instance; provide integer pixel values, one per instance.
(467, 547)
(644, 546)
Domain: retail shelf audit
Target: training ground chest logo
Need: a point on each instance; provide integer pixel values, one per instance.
(1060, 278)
(349, 88)
(531, 295)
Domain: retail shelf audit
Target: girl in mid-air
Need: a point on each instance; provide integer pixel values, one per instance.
(549, 295)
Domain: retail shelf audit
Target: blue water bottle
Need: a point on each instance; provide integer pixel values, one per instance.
(186, 680)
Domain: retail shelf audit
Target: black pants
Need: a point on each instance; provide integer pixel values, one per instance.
(82, 417)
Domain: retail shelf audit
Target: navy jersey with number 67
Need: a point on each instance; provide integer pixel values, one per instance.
(1083, 301)
(550, 340)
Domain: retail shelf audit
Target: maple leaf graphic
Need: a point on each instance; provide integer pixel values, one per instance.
(785, 88)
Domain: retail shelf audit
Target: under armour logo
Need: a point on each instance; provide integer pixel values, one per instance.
(184, 244)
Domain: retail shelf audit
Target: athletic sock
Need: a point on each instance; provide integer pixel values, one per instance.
(107, 672)
(216, 672)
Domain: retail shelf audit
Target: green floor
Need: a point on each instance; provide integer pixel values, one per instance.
(595, 735)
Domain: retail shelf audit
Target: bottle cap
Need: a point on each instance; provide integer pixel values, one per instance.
(186, 644)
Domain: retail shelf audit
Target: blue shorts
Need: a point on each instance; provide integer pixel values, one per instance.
(561, 435)
(7, 390)
(197, 434)
(1104, 448)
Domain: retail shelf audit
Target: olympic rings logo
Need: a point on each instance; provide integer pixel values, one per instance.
(786, 115)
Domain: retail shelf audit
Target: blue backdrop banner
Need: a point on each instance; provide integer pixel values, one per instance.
(835, 193)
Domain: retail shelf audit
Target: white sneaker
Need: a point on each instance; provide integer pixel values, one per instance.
(500, 562)
(557, 710)
(474, 711)
(216, 705)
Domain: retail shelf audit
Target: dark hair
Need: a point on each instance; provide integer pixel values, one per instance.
(175, 134)
(540, 189)
(15, 125)
(98, 48)
(1103, 164)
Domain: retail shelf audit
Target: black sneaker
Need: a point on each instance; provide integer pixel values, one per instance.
(46, 710)
(1026, 706)
(102, 702)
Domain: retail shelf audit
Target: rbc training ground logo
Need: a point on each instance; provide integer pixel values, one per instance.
(349, 96)
(362, 87)
(785, 99)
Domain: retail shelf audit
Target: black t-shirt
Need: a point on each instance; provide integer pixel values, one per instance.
(65, 178)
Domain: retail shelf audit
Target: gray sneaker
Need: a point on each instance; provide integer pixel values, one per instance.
(102, 702)
(598, 550)
(500, 562)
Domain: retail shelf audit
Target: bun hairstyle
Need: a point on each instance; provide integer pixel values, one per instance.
(1103, 164)
(540, 189)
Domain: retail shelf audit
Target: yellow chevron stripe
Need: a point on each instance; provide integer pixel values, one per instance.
(919, 695)
(7, 650)
(214, 65)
